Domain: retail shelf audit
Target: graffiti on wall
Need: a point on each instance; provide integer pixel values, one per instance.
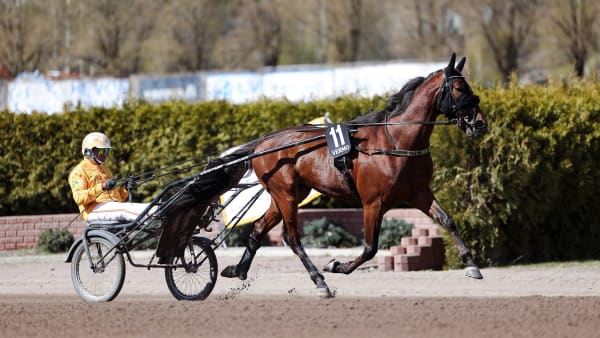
(157, 89)
(31, 92)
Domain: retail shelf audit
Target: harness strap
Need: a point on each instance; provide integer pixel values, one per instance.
(344, 164)
(394, 152)
(387, 132)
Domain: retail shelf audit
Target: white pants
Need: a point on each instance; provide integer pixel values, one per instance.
(118, 211)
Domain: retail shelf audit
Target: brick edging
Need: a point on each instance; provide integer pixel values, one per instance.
(22, 232)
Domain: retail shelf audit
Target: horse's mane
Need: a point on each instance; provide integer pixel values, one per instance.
(396, 104)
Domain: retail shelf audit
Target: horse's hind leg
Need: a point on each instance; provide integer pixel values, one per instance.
(289, 210)
(372, 221)
(260, 229)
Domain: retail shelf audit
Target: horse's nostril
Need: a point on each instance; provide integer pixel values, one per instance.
(480, 124)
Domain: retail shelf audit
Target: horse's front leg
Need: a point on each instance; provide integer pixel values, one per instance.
(426, 202)
(372, 217)
(442, 217)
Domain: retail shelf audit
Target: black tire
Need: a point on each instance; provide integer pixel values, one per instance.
(196, 279)
(104, 284)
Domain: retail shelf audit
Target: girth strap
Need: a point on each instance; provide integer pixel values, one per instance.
(394, 152)
(343, 164)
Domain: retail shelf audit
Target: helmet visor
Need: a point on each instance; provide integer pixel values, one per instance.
(101, 154)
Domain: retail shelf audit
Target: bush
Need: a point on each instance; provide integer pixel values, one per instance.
(145, 137)
(392, 231)
(239, 236)
(528, 189)
(323, 233)
(54, 240)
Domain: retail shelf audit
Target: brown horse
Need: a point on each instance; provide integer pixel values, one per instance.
(389, 165)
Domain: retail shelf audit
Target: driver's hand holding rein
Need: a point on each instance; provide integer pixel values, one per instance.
(95, 189)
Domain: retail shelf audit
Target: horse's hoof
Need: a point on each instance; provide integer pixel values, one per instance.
(324, 293)
(332, 266)
(473, 272)
(229, 272)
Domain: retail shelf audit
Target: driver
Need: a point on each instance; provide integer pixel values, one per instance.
(95, 189)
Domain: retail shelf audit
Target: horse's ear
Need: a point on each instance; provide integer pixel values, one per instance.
(461, 64)
(451, 63)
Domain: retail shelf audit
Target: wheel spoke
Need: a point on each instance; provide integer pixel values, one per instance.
(196, 277)
(104, 280)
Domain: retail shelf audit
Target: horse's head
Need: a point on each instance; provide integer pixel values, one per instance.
(457, 101)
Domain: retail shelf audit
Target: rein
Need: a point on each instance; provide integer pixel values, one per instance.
(395, 151)
(427, 123)
(152, 174)
(391, 152)
(375, 124)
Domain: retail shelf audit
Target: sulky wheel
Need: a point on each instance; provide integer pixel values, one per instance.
(196, 273)
(103, 282)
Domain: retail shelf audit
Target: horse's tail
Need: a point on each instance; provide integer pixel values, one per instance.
(192, 203)
(212, 184)
(234, 167)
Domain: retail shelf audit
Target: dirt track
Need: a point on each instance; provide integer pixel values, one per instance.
(279, 300)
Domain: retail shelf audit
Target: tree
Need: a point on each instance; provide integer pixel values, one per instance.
(253, 34)
(266, 22)
(114, 33)
(22, 29)
(432, 28)
(576, 22)
(508, 29)
(344, 29)
(195, 27)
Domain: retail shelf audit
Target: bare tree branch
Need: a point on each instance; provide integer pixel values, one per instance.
(507, 27)
(576, 22)
(22, 50)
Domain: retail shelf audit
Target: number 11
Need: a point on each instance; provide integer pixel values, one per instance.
(332, 132)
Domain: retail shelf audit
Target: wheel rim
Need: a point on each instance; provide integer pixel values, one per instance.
(196, 279)
(106, 281)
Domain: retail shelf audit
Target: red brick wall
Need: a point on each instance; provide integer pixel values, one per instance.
(352, 220)
(21, 232)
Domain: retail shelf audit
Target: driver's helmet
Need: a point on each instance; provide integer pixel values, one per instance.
(95, 146)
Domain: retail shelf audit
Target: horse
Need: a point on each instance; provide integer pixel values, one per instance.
(389, 165)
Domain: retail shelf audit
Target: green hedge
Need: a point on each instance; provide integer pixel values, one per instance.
(527, 191)
(37, 151)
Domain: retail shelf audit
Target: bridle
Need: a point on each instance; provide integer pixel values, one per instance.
(450, 106)
(458, 111)
(446, 104)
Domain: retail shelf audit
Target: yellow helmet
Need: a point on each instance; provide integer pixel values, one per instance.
(94, 141)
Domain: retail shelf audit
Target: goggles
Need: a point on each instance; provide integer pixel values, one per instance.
(100, 151)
